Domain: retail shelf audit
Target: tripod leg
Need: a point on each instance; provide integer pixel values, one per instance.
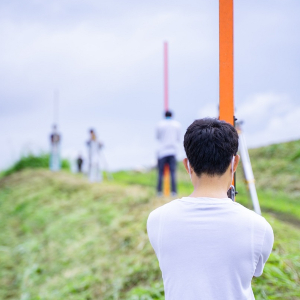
(249, 173)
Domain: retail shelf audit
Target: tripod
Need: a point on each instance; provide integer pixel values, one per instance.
(248, 173)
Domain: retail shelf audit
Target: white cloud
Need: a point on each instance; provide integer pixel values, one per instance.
(279, 129)
(259, 107)
(269, 118)
(209, 110)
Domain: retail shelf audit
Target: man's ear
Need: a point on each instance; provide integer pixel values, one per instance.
(185, 163)
(236, 162)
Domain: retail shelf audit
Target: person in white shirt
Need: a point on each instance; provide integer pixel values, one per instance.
(208, 246)
(168, 136)
(94, 147)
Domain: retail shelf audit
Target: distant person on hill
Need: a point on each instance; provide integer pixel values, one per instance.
(208, 246)
(79, 163)
(168, 136)
(94, 148)
(55, 150)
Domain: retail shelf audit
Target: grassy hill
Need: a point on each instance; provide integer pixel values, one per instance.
(63, 238)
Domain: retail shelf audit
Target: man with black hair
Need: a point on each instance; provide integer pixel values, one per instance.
(208, 246)
(168, 135)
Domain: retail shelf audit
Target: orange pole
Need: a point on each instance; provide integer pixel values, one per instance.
(226, 104)
(167, 179)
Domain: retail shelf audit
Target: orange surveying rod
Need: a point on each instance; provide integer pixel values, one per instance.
(226, 104)
(166, 181)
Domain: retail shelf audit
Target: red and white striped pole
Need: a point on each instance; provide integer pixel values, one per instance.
(166, 81)
(166, 182)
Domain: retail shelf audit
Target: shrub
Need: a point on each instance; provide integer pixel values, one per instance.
(34, 162)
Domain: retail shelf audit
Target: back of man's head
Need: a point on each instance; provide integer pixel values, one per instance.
(168, 114)
(210, 145)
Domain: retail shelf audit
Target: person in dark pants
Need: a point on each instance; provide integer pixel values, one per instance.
(171, 162)
(168, 135)
(79, 163)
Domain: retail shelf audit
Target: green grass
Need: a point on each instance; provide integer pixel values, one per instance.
(33, 162)
(277, 168)
(281, 276)
(63, 238)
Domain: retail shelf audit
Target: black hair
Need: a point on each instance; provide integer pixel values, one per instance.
(168, 114)
(210, 145)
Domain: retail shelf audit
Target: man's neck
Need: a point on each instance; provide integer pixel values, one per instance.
(210, 187)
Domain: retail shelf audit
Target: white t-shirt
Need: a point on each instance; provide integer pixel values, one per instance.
(209, 248)
(168, 135)
(93, 148)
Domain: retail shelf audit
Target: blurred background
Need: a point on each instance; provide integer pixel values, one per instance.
(99, 64)
(105, 62)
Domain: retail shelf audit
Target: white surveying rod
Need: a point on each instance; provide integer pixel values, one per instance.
(56, 107)
(248, 172)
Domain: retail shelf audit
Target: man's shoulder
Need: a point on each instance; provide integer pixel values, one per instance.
(162, 209)
(259, 220)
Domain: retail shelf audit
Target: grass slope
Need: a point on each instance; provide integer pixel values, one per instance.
(33, 162)
(63, 238)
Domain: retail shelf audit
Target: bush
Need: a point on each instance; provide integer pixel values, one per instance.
(34, 162)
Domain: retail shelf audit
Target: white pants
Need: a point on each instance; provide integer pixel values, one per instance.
(54, 159)
(95, 175)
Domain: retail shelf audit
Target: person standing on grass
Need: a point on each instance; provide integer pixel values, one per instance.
(94, 147)
(79, 161)
(55, 138)
(208, 246)
(168, 136)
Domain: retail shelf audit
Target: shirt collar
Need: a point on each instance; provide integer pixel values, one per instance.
(206, 200)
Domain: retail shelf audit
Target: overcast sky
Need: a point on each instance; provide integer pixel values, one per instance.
(106, 60)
